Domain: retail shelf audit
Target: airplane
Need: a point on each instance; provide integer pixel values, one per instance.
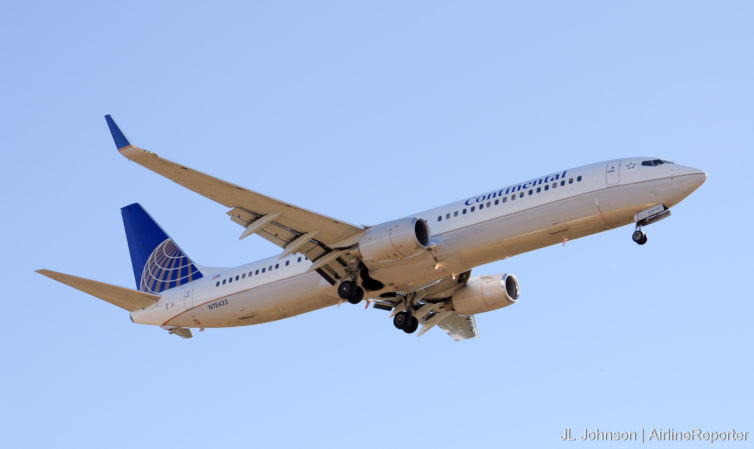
(417, 267)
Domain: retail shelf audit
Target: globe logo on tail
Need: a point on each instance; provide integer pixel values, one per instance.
(166, 268)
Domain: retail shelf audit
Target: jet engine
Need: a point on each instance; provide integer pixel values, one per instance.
(395, 240)
(485, 293)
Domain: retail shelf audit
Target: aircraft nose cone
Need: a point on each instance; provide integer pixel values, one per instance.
(696, 176)
(699, 176)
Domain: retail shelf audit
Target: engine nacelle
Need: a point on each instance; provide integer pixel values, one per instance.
(485, 293)
(395, 240)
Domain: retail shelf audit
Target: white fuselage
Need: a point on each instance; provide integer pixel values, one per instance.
(477, 230)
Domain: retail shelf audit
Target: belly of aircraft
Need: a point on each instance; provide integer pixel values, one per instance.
(282, 299)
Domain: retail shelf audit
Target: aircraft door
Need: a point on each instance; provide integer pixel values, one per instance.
(188, 296)
(613, 173)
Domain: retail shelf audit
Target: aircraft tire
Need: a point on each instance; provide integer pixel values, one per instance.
(345, 290)
(357, 294)
(411, 325)
(400, 319)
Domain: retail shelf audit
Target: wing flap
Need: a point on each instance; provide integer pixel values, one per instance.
(125, 298)
(459, 327)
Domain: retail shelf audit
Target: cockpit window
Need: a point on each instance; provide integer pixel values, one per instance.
(655, 162)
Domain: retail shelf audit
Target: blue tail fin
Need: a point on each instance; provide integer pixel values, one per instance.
(158, 262)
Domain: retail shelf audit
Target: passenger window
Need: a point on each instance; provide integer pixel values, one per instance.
(277, 265)
(463, 212)
(497, 202)
(547, 187)
(505, 199)
(481, 206)
(243, 276)
(262, 270)
(230, 280)
(578, 179)
(455, 214)
(236, 277)
(256, 272)
(488, 204)
(269, 268)
(562, 183)
(447, 216)
(224, 281)
(299, 259)
(539, 189)
(217, 284)
(287, 262)
(439, 218)
(531, 191)
(472, 208)
(570, 181)
(513, 197)
(555, 185)
(521, 195)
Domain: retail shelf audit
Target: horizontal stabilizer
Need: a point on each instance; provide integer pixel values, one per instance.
(122, 297)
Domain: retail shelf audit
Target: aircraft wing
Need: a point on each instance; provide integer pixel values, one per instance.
(290, 227)
(459, 327)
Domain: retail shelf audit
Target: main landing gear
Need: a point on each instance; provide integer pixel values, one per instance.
(407, 323)
(405, 319)
(639, 236)
(351, 292)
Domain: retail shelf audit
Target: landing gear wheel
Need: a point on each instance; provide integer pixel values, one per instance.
(411, 325)
(357, 294)
(351, 292)
(400, 319)
(639, 237)
(345, 288)
(405, 322)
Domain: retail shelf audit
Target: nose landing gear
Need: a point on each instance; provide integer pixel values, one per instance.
(639, 236)
(647, 217)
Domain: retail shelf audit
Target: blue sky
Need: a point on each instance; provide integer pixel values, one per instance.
(367, 112)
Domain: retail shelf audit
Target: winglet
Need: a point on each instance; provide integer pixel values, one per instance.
(120, 139)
